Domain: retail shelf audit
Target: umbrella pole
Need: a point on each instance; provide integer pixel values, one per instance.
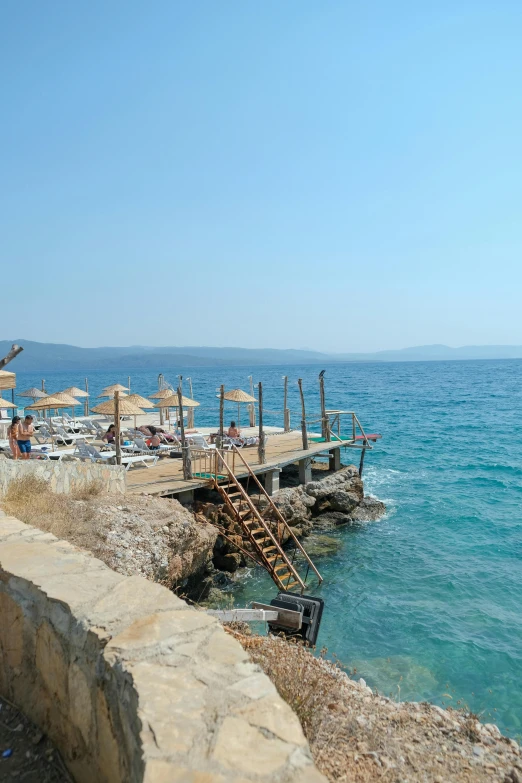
(185, 450)
(117, 426)
(86, 407)
(261, 447)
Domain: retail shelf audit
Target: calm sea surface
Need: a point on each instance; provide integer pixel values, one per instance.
(427, 602)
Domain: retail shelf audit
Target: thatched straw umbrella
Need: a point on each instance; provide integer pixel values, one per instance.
(162, 394)
(106, 393)
(126, 409)
(74, 391)
(109, 390)
(34, 393)
(68, 401)
(7, 380)
(141, 402)
(48, 403)
(4, 404)
(172, 401)
(239, 396)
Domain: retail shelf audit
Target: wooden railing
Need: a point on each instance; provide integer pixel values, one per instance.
(332, 422)
(281, 521)
(206, 463)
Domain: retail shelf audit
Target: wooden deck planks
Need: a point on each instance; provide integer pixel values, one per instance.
(167, 476)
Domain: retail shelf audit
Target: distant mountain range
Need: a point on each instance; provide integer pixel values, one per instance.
(48, 357)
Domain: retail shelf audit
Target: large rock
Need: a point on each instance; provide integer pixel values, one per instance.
(346, 480)
(340, 500)
(155, 537)
(368, 510)
(229, 562)
(295, 504)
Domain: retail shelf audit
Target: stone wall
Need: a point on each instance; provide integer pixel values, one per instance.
(64, 476)
(128, 681)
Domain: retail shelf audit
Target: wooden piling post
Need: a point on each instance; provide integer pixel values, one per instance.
(185, 450)
(221, 416)
(117, 426)
(325, 424)
(303, 416)
(286, 412)
(160, 386)
(361, 463)
(261, 447)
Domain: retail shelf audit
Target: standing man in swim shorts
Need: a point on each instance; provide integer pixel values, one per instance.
(25, 430)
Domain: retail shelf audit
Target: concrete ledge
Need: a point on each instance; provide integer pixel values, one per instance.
(64, 476)
(129, 682)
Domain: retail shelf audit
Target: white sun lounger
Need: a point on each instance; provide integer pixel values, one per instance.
(88, 451)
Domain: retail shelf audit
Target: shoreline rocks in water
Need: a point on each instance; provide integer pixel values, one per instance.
(330, 500)
(325, 503)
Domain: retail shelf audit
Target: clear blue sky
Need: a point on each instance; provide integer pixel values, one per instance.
(332, 175)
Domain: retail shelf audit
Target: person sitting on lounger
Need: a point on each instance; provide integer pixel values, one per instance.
(110, 435)
(154, 441)
(233, 431)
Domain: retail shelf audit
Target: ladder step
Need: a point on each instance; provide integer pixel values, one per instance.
(258, 530)
(282, 565)
(273, 558)
(233, 494)
(292, 584)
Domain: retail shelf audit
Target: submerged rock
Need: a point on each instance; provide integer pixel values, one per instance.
(368, 510)
(331, 519)
(321, 546)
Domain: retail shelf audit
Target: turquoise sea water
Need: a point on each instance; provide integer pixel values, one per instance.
(426, 601)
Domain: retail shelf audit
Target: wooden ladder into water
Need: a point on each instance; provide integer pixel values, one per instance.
(256, 528)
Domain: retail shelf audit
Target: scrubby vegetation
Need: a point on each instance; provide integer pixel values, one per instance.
(357, 736)
(31, 500)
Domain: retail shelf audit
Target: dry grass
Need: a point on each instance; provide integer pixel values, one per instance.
(357, 736)
(31, 500)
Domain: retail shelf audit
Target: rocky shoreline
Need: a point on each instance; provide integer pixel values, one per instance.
(325, 503)
(356, 734)
(181, 547)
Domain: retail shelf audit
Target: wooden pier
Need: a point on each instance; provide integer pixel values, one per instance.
(166, 477)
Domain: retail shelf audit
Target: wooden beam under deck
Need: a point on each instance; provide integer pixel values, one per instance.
(166, 478)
